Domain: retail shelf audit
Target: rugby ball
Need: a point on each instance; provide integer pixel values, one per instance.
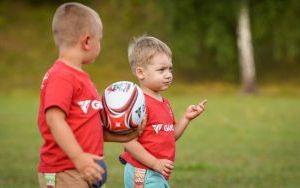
(123, 107)
(99, 184)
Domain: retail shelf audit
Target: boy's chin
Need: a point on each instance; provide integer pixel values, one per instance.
(88, 62)
(164, 88)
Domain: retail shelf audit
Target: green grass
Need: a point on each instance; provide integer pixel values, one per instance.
(240, 141)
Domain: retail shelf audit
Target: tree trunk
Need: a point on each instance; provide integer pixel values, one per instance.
(246, 60)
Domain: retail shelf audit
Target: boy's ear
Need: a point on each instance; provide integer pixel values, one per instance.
(139, 72)
(85, 42)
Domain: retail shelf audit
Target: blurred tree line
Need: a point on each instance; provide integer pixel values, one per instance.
(201, 34)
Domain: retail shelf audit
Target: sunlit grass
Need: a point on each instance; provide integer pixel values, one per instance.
(240, 141)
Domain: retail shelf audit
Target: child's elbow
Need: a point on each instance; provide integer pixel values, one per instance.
(54, 115)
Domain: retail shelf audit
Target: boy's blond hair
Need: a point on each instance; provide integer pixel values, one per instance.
(142, 49)
(71, 21)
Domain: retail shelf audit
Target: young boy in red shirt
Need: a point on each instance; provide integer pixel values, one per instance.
(68, 118)
(150, 158)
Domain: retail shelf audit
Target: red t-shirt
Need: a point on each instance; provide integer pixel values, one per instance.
(73, 92)
(158, 136)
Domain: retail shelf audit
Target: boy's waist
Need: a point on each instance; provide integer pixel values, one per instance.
(148, 170)
(55, 160)
(48, 168)
(126, 157)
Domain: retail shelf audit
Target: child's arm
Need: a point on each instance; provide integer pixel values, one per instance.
(163, 166)
(64, 137)
(112, 137)
(191, 112)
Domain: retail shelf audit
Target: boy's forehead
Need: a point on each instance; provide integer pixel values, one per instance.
(161, 59)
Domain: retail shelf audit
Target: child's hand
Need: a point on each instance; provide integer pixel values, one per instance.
(141, 128)
(195, 110)
(164, 167)
(88, 168)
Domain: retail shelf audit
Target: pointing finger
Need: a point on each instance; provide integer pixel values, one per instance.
(203, 103)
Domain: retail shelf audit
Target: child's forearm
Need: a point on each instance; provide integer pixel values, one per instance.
(140, 153)
(111, 137)
(180, 127)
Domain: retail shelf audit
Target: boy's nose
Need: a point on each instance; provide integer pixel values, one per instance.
(169, 75)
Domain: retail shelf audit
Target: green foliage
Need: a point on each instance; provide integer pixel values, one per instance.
(238, 142)
(276, 31)
(202, 35)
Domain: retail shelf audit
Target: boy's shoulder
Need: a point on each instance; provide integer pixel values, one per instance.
(60, 69)
(152, 103)
(57, 69)
(59, 72)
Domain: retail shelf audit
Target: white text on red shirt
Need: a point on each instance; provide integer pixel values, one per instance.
(167, 128)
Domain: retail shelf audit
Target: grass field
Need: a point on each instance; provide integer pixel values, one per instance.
(240, 141)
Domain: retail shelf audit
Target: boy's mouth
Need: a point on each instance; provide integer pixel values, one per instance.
(167, 83)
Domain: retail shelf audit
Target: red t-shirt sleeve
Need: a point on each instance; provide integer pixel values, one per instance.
(58, 93)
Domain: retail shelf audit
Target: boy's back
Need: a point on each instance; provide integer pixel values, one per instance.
(68, 118)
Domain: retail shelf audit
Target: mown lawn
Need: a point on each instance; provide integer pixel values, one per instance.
(240, 141)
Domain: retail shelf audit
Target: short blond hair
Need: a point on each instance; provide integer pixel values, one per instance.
(72, 20)
(142, 49)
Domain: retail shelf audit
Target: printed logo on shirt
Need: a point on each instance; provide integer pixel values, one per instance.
(86, 104)
(161, 127)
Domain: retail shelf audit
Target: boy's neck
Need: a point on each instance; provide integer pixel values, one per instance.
(151, 93)
(71, 58)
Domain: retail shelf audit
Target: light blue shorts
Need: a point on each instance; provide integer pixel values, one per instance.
(145, 178)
